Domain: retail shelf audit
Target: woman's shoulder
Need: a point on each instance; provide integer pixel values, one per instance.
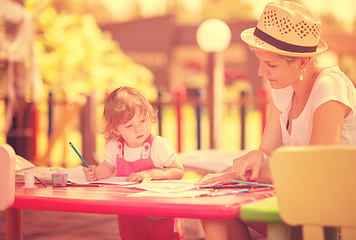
(332, 74)
(331, 79)
(332, 84)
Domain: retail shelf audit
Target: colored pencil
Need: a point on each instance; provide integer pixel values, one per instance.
(40, 181)
(221, 193)
(260, 189)
(81, 158)
(253, 183)
(213, 194)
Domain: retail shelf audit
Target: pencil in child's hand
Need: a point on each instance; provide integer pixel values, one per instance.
(78, 154)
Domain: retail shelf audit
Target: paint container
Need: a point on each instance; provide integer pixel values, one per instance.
(29, 180)
(59, 179)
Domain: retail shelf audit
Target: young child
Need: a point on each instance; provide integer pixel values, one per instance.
(135, 152)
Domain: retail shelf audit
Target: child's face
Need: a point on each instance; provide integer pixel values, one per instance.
(136, 130)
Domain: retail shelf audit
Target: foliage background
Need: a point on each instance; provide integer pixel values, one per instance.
(77, 58)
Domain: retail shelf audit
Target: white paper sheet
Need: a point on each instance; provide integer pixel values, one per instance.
(76, 175)
(115, 180)
(167, 186)
(155, 188)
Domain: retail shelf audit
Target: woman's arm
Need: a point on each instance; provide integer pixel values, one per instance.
(174, 171)
(254, 164)
(272, 135)
(254, 160)
(328, 122)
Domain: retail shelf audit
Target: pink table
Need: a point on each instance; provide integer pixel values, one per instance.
(112, 199)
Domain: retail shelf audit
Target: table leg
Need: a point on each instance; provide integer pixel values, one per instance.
(14, 224)
(277, 231)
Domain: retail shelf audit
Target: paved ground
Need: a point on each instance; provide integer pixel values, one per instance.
(46, 225)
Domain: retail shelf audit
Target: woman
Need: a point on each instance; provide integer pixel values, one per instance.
(309, 105)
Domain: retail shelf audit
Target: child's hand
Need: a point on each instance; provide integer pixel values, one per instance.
(90, 173)
(137, 177)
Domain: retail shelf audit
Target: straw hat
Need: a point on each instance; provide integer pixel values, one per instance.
(286, 28)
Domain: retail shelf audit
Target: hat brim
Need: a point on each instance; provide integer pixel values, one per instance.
(248, 37)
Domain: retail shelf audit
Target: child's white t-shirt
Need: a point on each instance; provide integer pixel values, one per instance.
(331, 84)
(162, 152)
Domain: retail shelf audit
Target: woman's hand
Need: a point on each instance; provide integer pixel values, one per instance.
(90, 173)
(247, 167)
(216, 178)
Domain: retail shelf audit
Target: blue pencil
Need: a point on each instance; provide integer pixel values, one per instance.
(253, 183)
(78, 154)
(213, 194)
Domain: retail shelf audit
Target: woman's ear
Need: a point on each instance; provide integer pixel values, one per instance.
(303, 62)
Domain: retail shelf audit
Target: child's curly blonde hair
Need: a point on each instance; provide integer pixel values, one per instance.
(120, 107)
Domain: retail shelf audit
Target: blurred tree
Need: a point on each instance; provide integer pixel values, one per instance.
(93, 7)
(76, 57)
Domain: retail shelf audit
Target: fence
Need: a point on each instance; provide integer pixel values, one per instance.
(183, 120)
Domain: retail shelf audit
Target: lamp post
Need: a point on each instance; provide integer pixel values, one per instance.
(213, 37)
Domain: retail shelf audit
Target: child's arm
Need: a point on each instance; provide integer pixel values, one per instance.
(174, 171)
(93, 173)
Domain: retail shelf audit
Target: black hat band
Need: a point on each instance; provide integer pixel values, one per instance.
(283, 45)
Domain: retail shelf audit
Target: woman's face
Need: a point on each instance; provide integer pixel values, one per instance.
(277, 70)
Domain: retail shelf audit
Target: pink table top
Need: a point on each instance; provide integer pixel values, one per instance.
(112, 199)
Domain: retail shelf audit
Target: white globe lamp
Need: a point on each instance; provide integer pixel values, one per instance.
(213, 35)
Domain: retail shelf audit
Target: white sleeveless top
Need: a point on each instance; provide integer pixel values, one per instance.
(331, 84)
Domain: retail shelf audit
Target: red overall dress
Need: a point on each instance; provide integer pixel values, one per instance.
(138, 227)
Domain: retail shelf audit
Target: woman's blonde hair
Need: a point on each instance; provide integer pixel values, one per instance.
(120, 107)
(289, 59)
(292, 60)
